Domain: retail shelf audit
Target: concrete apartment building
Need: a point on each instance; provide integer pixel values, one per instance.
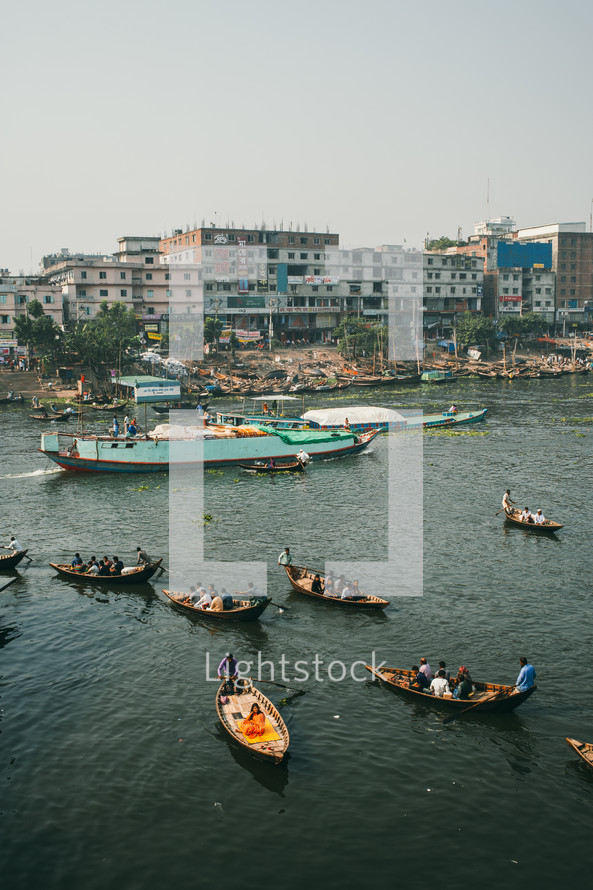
(133, 275)
(17, 291)
(453, 284)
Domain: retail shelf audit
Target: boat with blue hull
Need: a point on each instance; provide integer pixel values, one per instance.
(207, 445)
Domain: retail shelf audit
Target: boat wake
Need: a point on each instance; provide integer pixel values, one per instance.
(49, 472)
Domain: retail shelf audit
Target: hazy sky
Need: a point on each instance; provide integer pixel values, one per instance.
(380, 119)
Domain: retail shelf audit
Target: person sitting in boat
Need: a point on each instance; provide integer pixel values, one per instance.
(77, 563)
(439, 686)
(92, 567)
(117, 566)
(329, 585)
(539, 518)
(255, 723)
(226, 598)
(347, 592)
(271, 464)
(13, 545)
(443, 667)
(453, 409)
(132, 429)
(217, 604)
(419, 681)
(526, 678)
(346, 424)
(104, 567)
(205, 601)
(227, 669)
(316, 586)
(251, 590)
(526, 515)
(463, 687)
(73, 450)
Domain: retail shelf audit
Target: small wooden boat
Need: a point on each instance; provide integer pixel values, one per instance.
(135, 576)
(583, 749)
(496, 697)
(294, 466)
(53, 416)
(14, 400)
(246, 608)
(232, 710)
(12, 559)
(301, 579)
(114, 407)
(513, 517)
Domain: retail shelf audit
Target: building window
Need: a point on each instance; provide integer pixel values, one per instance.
(149, 276)
(429, 274)
(563, 278)
(462, 275)
(149, 260)
(516, 291)
(315, 289)
(5, 319)
(452, 291)
(103, 293)
(515, 277)
(572, 292)
(316, 271)
(102, 274)
(474, 277)
(437, 274)
(293, 288)
(316, 256)
(429, 289)
(453, 276)
(562, 292)
(316, 240)
(82, 293)
(188, 293)
(187, 276)
(563, 267)
(327, 241)
(123, 293)
(251, 238)
(430, 261)
(83, 274)
(304, 240)
(208, 287)
(207, 236)
(437, 290)
(304, 256)
(122, 275)
(167, 276)
(573, 279)
(291, 256)
(538, 290)
(329, 288)
(291, 239)
(505, 277)
(548, 291)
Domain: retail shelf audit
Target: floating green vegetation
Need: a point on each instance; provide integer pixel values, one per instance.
(142, 488)
(574, 419)
(206, 519)
(215, 472)
(586, 395)
(447, 432)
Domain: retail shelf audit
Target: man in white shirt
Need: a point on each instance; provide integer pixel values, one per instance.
(303, 457)
(507, 503)
(539, 518)
(339, 586)
(439, 685)
(285, 559)
(204, 602)
(347, 593)
(526, 515)
(14, 545)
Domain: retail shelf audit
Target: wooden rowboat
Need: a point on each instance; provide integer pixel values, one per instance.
(301, 579)
(12, 559)
(247, 609)
(136, 576)
(65, 415)
(496, 697)
(549, 525)
(281, 467)
(583, 749)
(232, 709)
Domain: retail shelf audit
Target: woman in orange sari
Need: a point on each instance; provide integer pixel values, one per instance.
(255, 723)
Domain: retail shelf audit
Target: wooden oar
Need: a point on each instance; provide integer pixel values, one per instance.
(281, 685)
(281, 608)
(477, 704)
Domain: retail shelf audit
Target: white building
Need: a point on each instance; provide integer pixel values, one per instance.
(17, 291)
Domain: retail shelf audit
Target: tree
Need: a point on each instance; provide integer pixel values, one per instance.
(105, 338)
(212, 329)
(35, 309)
(531, 323)
(443, 243)
(233, 343)
(357, 335)
(475, 329)
(38, 330)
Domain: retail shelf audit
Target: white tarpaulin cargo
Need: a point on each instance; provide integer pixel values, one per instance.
(356, 414)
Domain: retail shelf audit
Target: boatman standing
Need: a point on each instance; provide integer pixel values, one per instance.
(227, 670)
(14, 545)
(526, 678)
(143, 557)
(285, 559)
(507, 503)
(303, 457)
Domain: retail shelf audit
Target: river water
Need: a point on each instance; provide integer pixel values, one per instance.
(114, 770)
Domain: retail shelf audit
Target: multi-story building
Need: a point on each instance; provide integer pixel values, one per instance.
(133, 276)
(524, 280)
(572, 261)
(453, 284)
(17, 291)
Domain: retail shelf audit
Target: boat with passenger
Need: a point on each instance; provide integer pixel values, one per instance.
(514, 517)
(302, 580)
(245, 607)
(268, 741)
(583, 749)
(491, 697)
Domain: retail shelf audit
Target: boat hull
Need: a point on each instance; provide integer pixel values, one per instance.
(135, 577)
(96, 454)
(273, 752)
(10, 561)
(241, 613)
(545, 529)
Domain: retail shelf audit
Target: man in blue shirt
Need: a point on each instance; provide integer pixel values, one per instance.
(228, 669)
(526, 678)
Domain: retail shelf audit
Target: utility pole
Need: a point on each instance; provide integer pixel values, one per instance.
(273, 306)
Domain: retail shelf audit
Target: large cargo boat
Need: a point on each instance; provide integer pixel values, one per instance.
(210, 445)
